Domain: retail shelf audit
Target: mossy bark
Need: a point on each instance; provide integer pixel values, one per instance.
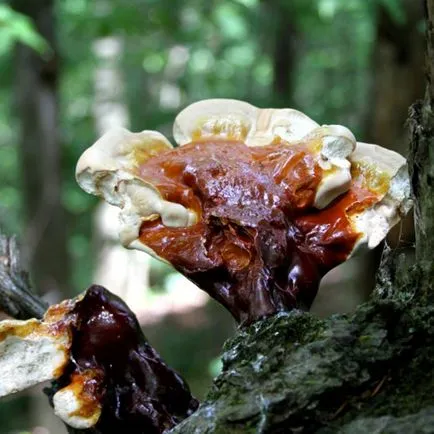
(293, 373)
(369, 372)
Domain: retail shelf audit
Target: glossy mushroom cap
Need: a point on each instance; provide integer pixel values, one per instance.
(255, 206)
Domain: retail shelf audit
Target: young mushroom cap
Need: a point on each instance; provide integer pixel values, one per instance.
(256, 205)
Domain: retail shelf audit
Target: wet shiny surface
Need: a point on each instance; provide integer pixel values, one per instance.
(112, 365)
(259, 245)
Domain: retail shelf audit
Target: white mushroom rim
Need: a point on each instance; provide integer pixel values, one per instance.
(35, 351)
(109, 168)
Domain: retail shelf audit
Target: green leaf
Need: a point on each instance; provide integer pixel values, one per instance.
(16, 27)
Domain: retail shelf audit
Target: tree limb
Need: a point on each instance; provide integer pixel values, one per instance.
(16, 296)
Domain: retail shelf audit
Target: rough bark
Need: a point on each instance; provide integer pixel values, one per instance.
(367, 372)
(295, 373)
(422, 164)
(36, 81)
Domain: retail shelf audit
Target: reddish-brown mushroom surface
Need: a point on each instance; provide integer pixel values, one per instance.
(259, 246)
(255, 206)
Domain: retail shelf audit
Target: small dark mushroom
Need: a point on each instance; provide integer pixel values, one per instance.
(108, 377)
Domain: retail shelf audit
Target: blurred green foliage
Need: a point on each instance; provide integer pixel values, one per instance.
(16, 27)
(175, 52)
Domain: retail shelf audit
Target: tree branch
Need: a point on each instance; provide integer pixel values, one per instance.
(16, 296)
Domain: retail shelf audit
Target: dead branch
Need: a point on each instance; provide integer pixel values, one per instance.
(16, 296)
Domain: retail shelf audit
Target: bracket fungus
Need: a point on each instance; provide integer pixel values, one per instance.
(255, 206)
(108, 377)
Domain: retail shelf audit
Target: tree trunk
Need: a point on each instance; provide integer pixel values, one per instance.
(422, 166)
(45, 237)
(398, 81)
(279, 17)
(398, 75)
(369, 372)
(283, 56)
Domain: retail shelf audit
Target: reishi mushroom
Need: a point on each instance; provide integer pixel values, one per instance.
(108, 377)
(255, 206)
